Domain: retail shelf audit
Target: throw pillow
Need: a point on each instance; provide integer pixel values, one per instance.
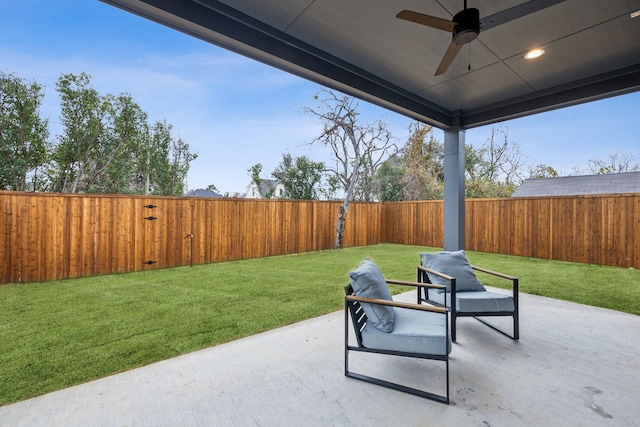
(367, 281)
(455, 264)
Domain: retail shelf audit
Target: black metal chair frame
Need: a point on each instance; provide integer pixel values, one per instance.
(423, 296)
(354, 310)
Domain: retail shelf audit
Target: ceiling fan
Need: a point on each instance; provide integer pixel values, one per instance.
(466, 24)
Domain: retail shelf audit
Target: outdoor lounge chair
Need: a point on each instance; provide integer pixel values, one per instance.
(453, 270)
(384, 326)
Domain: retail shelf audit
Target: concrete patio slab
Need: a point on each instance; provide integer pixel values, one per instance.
(573, 366)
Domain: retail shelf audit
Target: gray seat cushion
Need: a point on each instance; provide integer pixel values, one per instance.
(367, 281)
(470, 302)
(451, 263)
(414, 331)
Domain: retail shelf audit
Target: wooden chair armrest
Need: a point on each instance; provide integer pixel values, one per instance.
(494, 273)
(415, 284)
(396, 304)
(437, 273)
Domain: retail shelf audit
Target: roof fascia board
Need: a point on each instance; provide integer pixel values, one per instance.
(620, 82)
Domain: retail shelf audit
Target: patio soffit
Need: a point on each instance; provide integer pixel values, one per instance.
(359, 47)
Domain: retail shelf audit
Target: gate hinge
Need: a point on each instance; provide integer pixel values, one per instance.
(149, 262)
(150, 206)
(150, 218)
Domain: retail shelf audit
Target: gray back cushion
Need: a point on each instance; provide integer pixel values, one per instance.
(367, 281)
(451, 263)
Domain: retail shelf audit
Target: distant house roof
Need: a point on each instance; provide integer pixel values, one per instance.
(202, 193)
(268, 188)
(615, 183)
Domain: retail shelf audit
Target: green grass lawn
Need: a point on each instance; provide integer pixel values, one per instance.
(57, 334)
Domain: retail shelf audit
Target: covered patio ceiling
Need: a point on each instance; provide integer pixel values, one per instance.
(359, 47)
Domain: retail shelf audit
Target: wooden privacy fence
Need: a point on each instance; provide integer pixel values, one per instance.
(603, 230)
(55, 236)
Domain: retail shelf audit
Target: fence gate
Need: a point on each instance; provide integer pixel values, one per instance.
(166, 234)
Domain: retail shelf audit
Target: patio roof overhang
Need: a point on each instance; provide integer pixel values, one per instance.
(359, 47)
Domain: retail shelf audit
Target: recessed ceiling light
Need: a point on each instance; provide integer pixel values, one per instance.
(534, 53)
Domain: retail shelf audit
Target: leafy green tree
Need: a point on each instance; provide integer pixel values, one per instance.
(128, 131)
(424, 164)
(542, 171)
(254, 172)
(482, 188)
(390, 180)
(163, 161)
(106, 146)
(417, 171)
(144, 159)
(180, 161)
(23, 133)
(266, 188)
(300, 177)
(84, 118)
(94, 152)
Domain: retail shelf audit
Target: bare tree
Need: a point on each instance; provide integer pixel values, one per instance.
(357, 149)
(616, 163)
(505, 162)
(496, 168)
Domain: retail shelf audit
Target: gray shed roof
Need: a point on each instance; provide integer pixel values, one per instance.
(617, 183)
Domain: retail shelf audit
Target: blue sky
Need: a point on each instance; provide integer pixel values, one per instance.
(235, 112)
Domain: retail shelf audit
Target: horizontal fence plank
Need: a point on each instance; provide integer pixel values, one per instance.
(56, 236)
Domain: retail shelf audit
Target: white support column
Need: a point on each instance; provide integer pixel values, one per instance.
(454, 167)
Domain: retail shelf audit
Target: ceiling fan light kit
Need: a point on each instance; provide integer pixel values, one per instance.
(466, 24)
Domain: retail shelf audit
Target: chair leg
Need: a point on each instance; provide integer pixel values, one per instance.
(453, 326)
(346, 339)
(443, 398)
(516, 332)
(404, 389)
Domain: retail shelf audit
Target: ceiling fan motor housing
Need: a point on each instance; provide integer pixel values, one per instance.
(467, 26)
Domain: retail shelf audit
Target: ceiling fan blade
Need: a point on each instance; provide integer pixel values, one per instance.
(429, 21)
(515, 12)
(448, 57)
